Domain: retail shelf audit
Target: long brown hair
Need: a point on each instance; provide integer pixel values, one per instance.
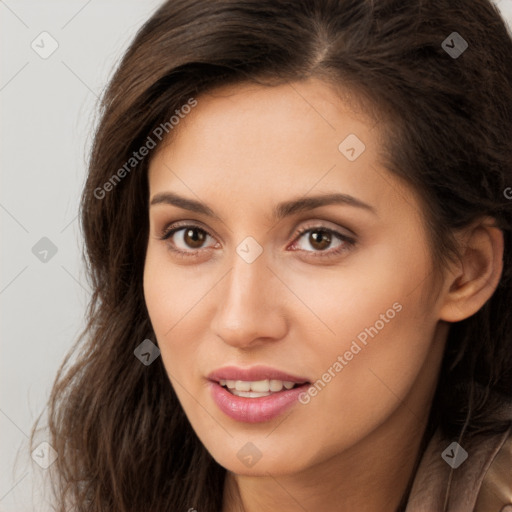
(123, 440)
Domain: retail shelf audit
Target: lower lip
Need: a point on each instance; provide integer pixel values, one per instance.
(254, 410)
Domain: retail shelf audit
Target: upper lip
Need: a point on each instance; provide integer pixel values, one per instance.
(254, 373)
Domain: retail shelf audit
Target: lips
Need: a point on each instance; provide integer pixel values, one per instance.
(256, 373)
(255, 394)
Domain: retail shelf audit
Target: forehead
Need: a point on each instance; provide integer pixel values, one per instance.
(280, 117)
(259, 142)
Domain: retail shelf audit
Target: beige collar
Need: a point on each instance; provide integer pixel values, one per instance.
(438, 487)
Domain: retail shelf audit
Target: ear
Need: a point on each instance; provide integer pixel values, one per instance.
(471, 282)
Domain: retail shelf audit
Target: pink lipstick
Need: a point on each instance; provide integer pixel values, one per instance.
(256, 394)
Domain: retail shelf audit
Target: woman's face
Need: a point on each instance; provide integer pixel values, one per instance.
(294, 258)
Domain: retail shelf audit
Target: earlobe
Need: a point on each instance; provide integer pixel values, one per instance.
(475, 278)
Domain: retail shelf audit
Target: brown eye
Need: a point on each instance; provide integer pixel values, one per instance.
(194, 237)
(319, 239)
(187, 238)
(322, 242)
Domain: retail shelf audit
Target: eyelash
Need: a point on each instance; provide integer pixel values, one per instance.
(348, 243)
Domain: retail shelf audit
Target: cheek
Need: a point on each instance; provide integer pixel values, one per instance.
(164, 302)
(176, 302)
(380, 333)
(171, 292)
(366, 294)
(377, 360)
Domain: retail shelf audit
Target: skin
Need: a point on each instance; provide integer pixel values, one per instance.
(242, 150)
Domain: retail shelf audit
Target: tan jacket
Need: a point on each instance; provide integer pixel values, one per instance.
(482, 483)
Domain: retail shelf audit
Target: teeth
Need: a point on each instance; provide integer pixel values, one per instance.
(241, 385)
(261, 386)
(256, 388)
(249, 394)
(276, 385)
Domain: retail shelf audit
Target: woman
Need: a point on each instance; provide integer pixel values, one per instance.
(297, 221)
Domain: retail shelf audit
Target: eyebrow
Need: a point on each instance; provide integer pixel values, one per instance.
(280, 211)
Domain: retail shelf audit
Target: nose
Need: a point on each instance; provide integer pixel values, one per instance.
(250, 308)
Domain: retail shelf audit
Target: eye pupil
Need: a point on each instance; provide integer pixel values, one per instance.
(320, 239)
(194, 237)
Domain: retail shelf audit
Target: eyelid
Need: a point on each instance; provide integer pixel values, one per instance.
(172, 227)
(323, 225)
(347, 242)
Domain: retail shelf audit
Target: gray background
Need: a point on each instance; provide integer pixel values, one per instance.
(48, 114)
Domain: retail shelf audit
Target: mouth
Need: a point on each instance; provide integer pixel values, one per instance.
(258, 388)
(256, 394)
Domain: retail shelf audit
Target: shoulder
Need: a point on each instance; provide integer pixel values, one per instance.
(473, 477)
(496, 490)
